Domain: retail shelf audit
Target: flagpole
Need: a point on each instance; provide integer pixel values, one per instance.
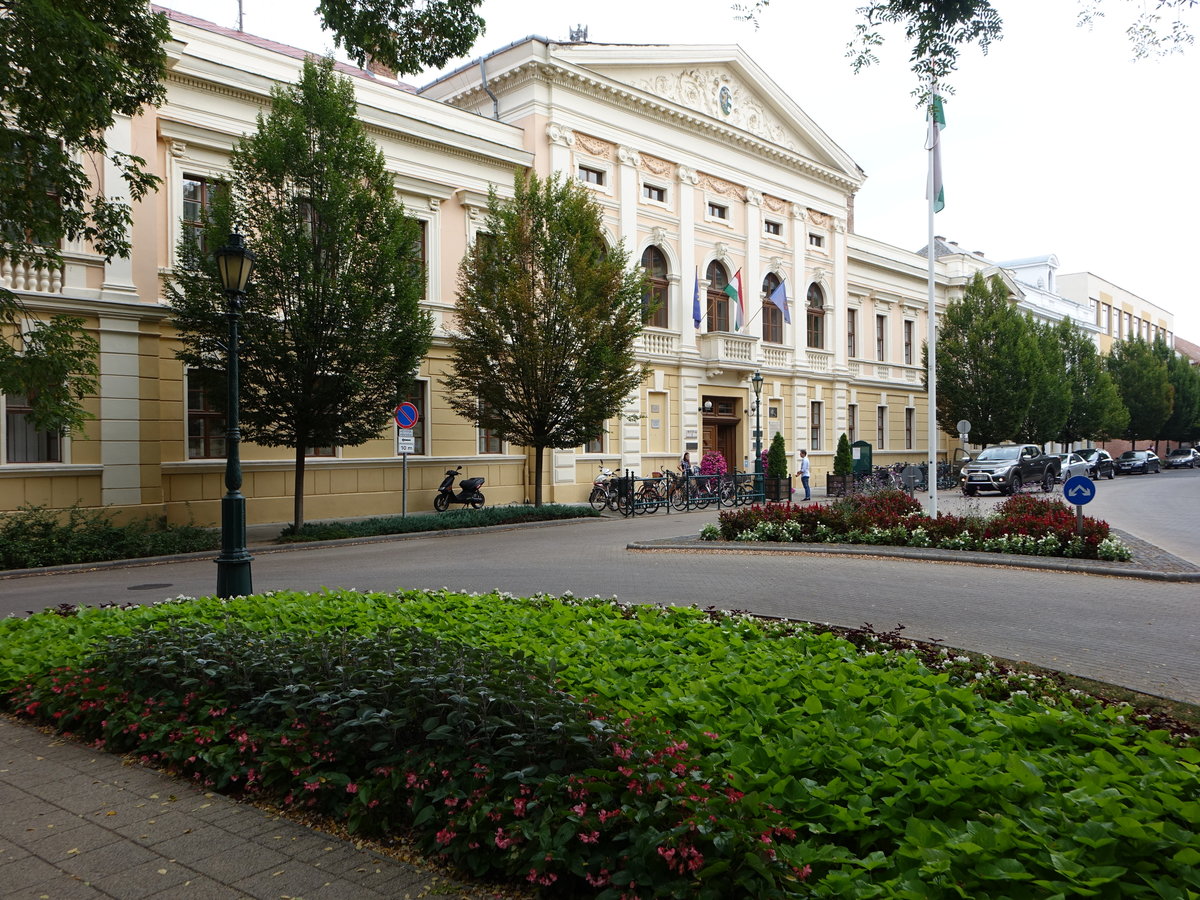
(931, 479)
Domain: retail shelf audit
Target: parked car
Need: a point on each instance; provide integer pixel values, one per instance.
(1072, 464)
(1179, 458)
(1100, 462)
(1005, 468)
(1140, 461)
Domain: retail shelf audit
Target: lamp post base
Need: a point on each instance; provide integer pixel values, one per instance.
(233, 565)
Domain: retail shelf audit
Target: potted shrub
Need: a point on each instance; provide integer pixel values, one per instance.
(840, 481)
(778, 485)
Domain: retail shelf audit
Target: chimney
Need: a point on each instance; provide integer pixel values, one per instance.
(379, 70)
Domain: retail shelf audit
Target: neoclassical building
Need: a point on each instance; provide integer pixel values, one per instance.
(705, 170)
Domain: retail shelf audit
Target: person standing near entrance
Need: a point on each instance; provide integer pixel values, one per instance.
(803, 473)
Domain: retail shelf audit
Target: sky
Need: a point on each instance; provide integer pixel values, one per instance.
(1056, 141)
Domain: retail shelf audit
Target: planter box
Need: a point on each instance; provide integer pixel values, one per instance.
(777, 490)
(838, 485)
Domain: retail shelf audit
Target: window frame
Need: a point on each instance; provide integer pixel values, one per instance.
(717, 212)
(203, 415)
(773, 229)
(718, 302)
(881, 414)
(649, 188)
(486, 439)
(658, 287)
(816, 241)
(910, 420)
(772, 315)
(816, 424)
(852, 422)
(208, 188)
(814, 317)
(881, 326)
(910, 328)
(851, 333)
(50, 448)
(591, 175)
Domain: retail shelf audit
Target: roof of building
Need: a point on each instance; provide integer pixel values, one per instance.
(1188, 349)
(285, 49)
(943, 247)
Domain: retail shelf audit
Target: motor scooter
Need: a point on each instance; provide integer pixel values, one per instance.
(468, 492)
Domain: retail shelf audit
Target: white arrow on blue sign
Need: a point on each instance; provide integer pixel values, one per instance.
(1079, 490)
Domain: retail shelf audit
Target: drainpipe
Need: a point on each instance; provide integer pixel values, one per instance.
(495, 99)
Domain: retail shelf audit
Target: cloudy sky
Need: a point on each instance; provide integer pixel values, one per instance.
(1056, 141)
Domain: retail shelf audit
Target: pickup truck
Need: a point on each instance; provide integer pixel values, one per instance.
(1007, 467)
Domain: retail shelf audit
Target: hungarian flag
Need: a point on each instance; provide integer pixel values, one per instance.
(937, 121)
(734, 290)
(779, 298)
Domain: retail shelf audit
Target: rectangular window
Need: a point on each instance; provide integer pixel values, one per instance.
(205, 423)
(1107, 319)
(417, 398)
(320, 451)
(717, 211)
(908, 342)
(23, 442)
(588, 175)
(595, 445)
(816, 240)
(655, 193)
(852, 422)
(909, 420)
(815, 425)
(489, 441)
(772, 317)
(775, 229)
(198, 194)
(880, 427)
(852, 332)
(881, 338)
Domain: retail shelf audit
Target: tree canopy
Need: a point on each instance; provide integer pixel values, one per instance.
(1145, 388)
(332, 325)
(987, 364)
(1096, 410)
(547, 318)
(1051, 401)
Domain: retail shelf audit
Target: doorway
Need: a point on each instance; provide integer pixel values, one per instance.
(719, 428)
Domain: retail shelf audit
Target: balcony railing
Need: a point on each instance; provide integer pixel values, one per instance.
(659, 343)
(775, 357)
(728, 350)
(22, 275)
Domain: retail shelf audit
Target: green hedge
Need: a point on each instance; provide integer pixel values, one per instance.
(458, 518)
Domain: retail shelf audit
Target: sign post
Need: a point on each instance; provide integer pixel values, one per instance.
(1079, 490)
(406, 416)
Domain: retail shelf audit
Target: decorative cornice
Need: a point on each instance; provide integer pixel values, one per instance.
(774, 204)
(634, 100)
(689, 176)
(753, 197)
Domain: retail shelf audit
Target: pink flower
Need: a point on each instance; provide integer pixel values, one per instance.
(590, 837)
(503, 841)
(352, 788)
(445, 836)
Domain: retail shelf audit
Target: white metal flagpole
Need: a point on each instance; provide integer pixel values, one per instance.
(934, 150)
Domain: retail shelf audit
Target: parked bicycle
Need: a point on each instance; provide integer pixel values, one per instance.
(604, 495)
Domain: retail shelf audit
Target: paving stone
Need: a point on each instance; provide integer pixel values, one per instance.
(198, 887)
(61, 887)
(27, 871)
(291, 879)
(106, 860)
(145, 879)
(64, 844)
(241, 862)
(155, 826)
(201, 843)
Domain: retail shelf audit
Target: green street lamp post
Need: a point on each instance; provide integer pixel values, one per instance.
(234, 261)
(757, 382)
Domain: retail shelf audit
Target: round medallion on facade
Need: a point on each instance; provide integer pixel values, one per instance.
(726, 99)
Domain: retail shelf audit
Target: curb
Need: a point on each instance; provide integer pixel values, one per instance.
(920, 554)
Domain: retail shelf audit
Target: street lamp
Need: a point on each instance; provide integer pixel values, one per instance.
(757, 382)
(235, 262)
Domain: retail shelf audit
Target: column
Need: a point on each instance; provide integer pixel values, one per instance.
(118, 271)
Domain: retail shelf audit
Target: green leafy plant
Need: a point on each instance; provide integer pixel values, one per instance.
(843, 460)
(459, 518)
(777, 463)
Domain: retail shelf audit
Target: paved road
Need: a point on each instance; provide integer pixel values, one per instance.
(1137, 633)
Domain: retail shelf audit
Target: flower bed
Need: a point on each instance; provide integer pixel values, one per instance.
(615, 751)
(1031, 526)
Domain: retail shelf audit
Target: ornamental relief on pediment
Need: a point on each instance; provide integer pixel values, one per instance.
(656, 166)
(595, 146)
(723, 187)
(774, 204)
(820, 219)
(716, 93)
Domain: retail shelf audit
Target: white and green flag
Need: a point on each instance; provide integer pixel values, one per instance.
(937, 121)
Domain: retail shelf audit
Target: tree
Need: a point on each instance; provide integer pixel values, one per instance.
(67, 70)
(547, 320)
(1145, 389)
(937, 29)
(1051, 402)
(843, 460)
(1096, 411)
(777, 462)
(1185, 385)
(332, 326)
(987, 364)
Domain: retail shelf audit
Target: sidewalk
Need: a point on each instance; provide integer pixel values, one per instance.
(78, 824)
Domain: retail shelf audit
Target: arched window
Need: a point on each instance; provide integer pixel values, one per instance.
(816, 316)
(718, 300)
(655, 264)
(772, 315)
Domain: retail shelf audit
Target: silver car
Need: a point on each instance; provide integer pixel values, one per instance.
(1073, 464)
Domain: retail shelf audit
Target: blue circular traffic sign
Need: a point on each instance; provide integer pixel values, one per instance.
(1079, 490)
(406, 415)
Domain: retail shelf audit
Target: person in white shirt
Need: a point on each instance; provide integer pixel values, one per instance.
(804, 470)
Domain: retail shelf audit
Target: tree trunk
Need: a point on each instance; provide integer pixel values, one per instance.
(539, 454)
(298, 499)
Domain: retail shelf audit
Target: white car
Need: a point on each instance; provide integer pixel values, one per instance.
(1072, 464)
